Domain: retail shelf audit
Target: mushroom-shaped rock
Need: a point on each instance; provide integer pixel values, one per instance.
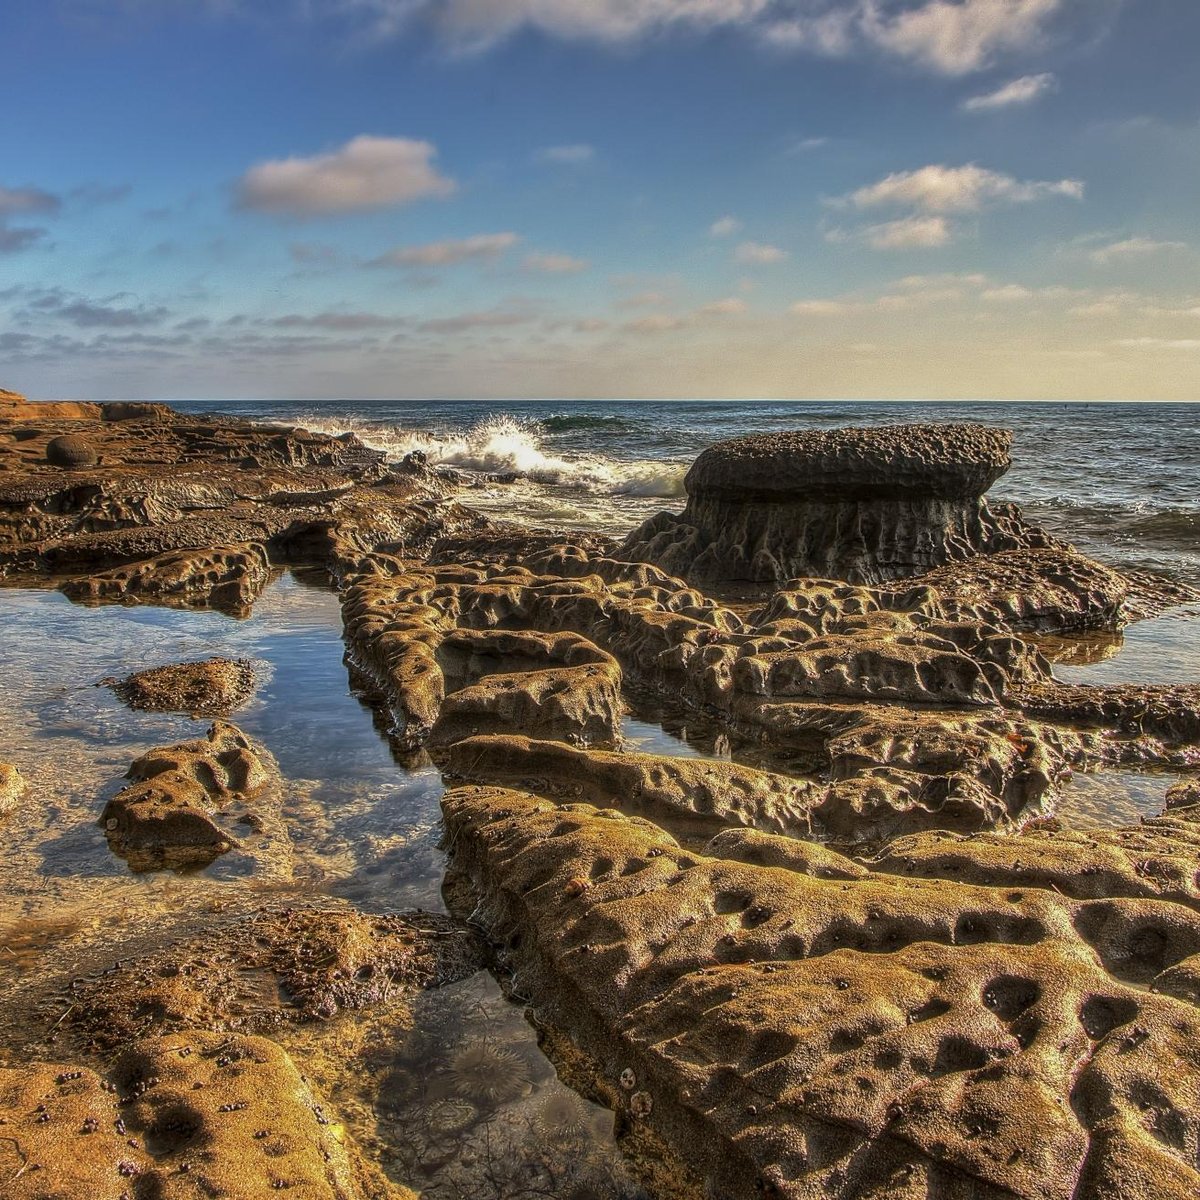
(71, 450)
(864, 505)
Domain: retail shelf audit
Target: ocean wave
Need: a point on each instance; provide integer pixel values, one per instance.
(506, 445)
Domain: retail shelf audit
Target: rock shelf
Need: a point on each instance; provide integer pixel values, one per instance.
(864, 959)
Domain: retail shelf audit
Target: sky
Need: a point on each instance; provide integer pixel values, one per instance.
(942, 199)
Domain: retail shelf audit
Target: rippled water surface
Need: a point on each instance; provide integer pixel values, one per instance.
(454, 1096)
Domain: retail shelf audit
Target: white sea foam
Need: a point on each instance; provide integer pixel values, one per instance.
(506, 445)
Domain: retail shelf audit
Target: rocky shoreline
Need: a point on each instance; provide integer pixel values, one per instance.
(896, 974)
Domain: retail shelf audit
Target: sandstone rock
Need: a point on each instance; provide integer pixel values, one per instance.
(225, 577)
(1184, 795)
(186, 801)
(863, 505)
(71, 450)
(210, 688)
(838, 1034)
(178, 1117)
(275, 967)
(12, 787)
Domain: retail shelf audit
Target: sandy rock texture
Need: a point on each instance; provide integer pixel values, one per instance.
(180, 1117)
(797, 1031)
(212, 687)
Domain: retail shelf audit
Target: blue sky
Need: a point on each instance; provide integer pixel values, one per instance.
(758, 198)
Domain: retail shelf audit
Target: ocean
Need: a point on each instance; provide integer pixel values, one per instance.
(1121, 481)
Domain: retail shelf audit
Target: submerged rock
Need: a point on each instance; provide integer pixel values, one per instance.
(276, 967)
(210, 688)
(186, 801)
(12, 787)
(863, 505)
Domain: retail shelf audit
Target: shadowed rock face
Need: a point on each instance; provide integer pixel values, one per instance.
(863, 505)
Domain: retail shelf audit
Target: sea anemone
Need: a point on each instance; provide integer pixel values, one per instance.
(490, 1075)
(562, 1117)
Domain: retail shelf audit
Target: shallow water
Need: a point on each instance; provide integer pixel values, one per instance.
(453, 1096)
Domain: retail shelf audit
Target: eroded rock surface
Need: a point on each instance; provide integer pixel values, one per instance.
(179, 1117)
(802, 1032)
(192, 802)
(210, 688)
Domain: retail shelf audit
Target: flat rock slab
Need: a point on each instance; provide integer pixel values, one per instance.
(211, 688)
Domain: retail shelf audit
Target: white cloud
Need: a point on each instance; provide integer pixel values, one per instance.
(1010, 293)
(941, 189)
(909, 233)
(954, 37)
(555, 264)
(823, 308)
(950, 37)
(758, 254)
(1132, 249)
(725, 227)
(448, 253)
(574, 155)
(366, 173)
(1025, 90)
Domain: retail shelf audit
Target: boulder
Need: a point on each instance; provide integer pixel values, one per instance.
(186, 801)
(71, 450)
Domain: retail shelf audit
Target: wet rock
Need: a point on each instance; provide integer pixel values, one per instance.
(177, 1117)
(71, 450)
(275, 967)
(863, 505)
(210, 688)
(12, 787)
(838, 1034)
(224, 577)
(186, 801)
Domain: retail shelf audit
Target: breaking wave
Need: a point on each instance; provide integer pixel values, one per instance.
(504, 445)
